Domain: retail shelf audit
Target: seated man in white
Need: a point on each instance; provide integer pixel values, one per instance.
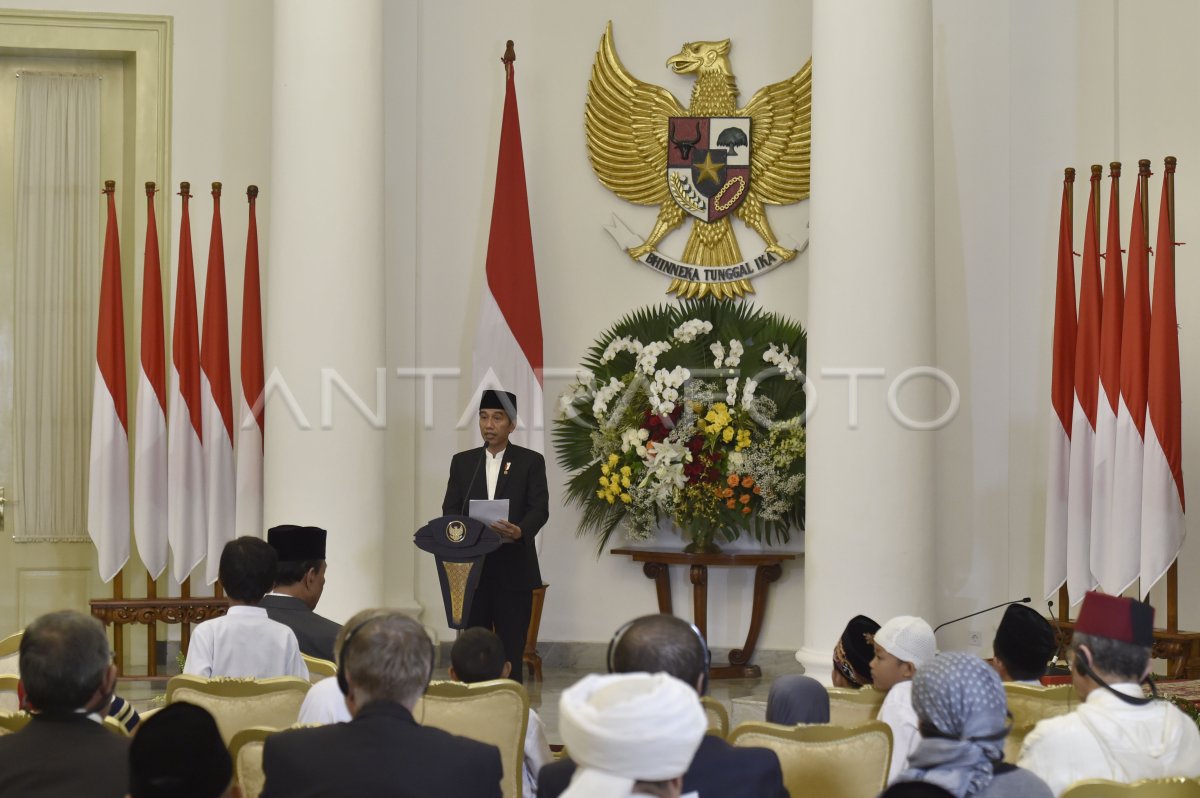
(245, 643)
(1117, 733)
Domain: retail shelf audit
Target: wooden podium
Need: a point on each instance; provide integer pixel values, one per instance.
(768, 567)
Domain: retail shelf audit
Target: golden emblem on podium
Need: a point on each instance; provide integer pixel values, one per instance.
(456, 531)
(711, 161)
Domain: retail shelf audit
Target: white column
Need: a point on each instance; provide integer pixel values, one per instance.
(869, 538)
(324, 306)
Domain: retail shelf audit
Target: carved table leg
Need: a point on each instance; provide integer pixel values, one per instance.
(699, 578)
(662, 584)
(739, 659)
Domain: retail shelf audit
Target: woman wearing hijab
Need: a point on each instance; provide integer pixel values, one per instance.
(797, 699)
(963, 717)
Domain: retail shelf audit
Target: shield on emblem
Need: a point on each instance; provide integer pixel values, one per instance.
(708, 164)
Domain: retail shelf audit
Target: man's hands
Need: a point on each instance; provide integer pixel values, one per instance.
(508, 530)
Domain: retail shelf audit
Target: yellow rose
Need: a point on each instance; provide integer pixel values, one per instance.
(727, 435)
(626, 498)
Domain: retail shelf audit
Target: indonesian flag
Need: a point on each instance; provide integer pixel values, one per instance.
(187, 525)
(508, 343)
(1162, 475)
(108, 478)
(1125, 519)
(1109, 542)
(252, 431)
(1062, 390)
(216, 400)
(150, 454)
(1083, 419)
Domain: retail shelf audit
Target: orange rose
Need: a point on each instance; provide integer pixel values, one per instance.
(727, 493)
(757, 491)
(745, 511)
(745, 499)
(733, 480)
(731, 504)
(747, 481)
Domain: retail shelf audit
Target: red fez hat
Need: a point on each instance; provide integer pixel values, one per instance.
(1117, 618)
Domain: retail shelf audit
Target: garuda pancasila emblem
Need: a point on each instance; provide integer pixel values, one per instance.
(711, 160)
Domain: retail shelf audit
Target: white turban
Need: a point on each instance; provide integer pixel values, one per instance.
(628, 727)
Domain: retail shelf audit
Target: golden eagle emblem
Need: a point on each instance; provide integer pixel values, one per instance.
(711, 160)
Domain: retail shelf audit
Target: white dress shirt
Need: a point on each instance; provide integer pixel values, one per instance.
(324, 704)
(898, 713)
(1106, 738)
(492, 468)
(537, 754)
(244, 643)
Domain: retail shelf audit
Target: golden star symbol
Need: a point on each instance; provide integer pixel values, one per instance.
(708, 169)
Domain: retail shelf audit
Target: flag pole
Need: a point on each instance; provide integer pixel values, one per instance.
(110, 187)
(1143, 191)
(1173, 572)
(1064, 601)
(151, 584)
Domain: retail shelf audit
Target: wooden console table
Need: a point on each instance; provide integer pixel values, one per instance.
(767, 569)
(1181, 650)
(186, 611)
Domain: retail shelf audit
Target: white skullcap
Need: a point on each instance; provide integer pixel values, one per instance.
(909, 639)
(628, 727)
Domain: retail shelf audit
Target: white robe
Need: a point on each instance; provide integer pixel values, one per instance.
(1106, 738)
(898, 713)
(244, 643)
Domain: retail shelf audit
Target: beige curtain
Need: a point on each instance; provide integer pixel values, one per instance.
(58, 252)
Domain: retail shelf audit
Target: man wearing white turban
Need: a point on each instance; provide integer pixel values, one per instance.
(630, 733)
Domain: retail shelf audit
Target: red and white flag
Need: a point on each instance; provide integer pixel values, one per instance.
(108, 479)
(1062, 391)
(150, 442)
(1083, 420)
(1107, 540)
(187, 525)
(1125, 518)
(252, 431)
(216, 401)
(508, 342)
(1162, 476)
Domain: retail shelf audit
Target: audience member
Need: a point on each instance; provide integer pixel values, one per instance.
(324, 702)
(914, 789)
(963, 715)
(1117, 733)
(853, 653)
(478, 656)
(178, 753)
(67, 679)
(797, 699)
(386, 663)
(244, 642)
(1023, 645)
(902, 646)
(299, 582)
(664, 643)
(631, 733)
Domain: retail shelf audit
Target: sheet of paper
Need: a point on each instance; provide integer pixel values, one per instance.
(489, 511)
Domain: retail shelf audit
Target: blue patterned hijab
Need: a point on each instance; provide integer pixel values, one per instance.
(961, 697)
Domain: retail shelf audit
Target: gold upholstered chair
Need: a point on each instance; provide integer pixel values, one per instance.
(1029, 704)
(10, 652)
(718, 718)
(8, 693)
(246, 748)
(829, 761)
(850, 707)
(13, 721)
(238, 704)
(495, 712)
(1147, 788)
(318, 668)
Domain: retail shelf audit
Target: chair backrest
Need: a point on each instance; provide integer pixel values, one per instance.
(849, 707)
(246, 748)
(495, 712)
(1147, 788)
(10, 653)
(1029, 704)
(13, 721)
(318, 668)
(8, 693)
(718, 718)
(829, 761)
(238, 704)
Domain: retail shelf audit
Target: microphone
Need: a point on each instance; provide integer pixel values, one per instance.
(471, 484)
(1025, 600)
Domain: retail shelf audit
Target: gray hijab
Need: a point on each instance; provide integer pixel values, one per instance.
(797, 699)
(961, 697)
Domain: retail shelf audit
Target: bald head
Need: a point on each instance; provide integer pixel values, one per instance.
(661, 643)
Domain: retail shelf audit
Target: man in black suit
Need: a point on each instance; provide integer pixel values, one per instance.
(299, 582)
(68, 679)
(386, 663)
(664, 643)
(502, 470)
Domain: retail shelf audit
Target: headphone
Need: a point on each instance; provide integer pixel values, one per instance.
(343, 681)
(620, 633)
(1083, 667)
